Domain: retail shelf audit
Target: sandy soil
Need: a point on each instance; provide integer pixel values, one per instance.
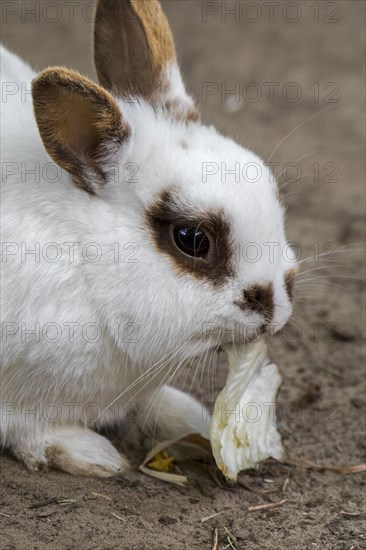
(325, 347)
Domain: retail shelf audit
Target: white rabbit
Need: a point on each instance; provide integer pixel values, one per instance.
(125, 246)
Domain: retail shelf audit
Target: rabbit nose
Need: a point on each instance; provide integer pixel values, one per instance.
(258, 298)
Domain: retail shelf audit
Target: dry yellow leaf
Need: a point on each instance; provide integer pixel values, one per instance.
(161, 462)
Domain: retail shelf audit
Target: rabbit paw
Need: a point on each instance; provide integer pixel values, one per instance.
(168, 414)
(73, 449)
(83, 452)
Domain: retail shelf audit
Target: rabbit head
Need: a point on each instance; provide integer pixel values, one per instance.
(203, 256)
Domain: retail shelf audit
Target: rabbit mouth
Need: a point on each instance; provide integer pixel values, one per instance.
(241, 340)
(215, 342)
(245, 338)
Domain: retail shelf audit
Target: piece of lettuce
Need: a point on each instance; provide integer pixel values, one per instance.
(243, 429)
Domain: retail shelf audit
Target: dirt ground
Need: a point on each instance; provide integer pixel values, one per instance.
(311, 56)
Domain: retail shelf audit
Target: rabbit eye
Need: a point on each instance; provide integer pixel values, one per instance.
(191, 240)
(196, 242)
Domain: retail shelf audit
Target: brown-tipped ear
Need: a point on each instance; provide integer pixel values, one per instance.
(80, 124)
(134, 54)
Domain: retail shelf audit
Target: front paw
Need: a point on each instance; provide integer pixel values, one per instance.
(169, 414)
(83, 452)
(72, 449)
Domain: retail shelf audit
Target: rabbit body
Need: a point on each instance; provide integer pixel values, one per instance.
(96, 313)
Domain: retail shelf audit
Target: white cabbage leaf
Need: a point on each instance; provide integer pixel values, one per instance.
(243, 429)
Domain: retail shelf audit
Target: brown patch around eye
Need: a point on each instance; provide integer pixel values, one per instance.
(290, 277)
(258, 298)
(167, 212)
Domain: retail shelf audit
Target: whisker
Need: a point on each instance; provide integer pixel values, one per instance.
(341, 250)
(303, 124)
(331, 277)
(144, 375)
(298, 160)
(338, 266)
(286, 195)
(157, 393)
(203, 361)
(294, 181)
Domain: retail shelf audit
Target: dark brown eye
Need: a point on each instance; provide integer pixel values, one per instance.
(193, 241)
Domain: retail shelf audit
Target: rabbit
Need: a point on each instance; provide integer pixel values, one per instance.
(123, 247)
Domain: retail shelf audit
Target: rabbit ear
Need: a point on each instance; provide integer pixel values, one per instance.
(134, 54)
(80, 124)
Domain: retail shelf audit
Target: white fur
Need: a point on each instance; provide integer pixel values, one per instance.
(169, 311)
